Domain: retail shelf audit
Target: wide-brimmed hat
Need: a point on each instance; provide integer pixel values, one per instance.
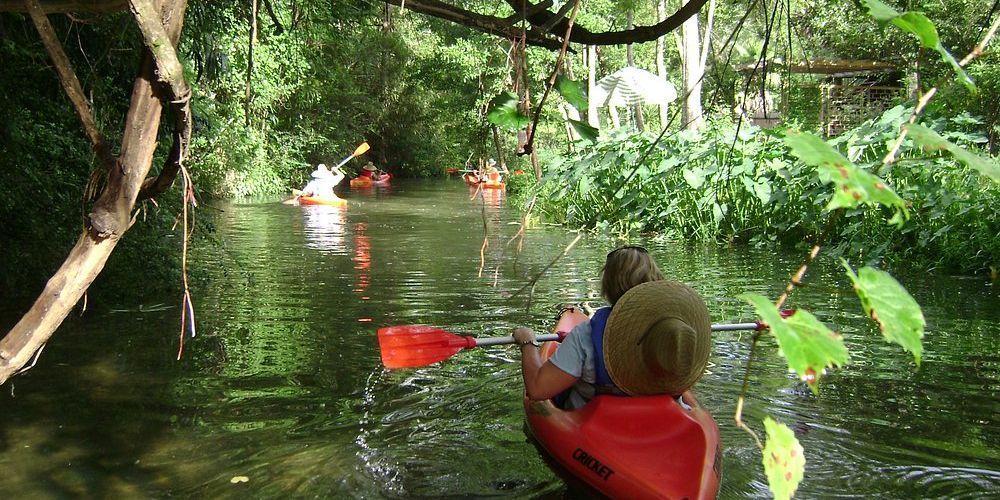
(322, 172)
(657, 339)
(369, 166)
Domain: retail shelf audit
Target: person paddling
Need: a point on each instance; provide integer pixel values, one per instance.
(370, 171)
(655, 338)
(324, 180)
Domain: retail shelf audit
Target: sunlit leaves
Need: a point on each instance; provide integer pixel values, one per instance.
(784, 459)
(854, 186)
(917, 24)
(930, 139)
(505, 113)
(889, 304)
(585, 130)
(572, 91)
(805, 342)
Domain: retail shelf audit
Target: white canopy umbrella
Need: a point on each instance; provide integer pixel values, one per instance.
(630, 86)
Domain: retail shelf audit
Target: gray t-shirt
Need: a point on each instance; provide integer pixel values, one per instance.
(575, 356)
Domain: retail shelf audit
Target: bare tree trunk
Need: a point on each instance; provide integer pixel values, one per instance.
(661, 65)
(691, 57)
(640, 123)
(592, 109)
(111, 217)
(613, 113)
(253, 41)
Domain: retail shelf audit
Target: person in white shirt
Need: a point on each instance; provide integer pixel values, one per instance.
(323, 182)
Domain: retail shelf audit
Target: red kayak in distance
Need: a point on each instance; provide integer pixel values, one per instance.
(629, 447)
(363, 181)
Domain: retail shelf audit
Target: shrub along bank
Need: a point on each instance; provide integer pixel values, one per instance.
(739, 183)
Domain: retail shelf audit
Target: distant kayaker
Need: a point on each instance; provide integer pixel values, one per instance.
(370, 171)
(654, 339)
(323, 182)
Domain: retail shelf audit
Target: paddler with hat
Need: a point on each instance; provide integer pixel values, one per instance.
(324, 180)
(655, 338)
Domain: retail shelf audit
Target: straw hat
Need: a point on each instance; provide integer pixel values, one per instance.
(369, 167)
(657, 339)
(322, 172)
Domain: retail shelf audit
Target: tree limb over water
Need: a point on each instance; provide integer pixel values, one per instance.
(546, 27)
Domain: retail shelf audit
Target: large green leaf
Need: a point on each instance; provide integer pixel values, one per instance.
(784, 459)
(504, 112)
(572, 91)
(805, 342)
(854, 186)
(930, 139)
(891, 306)
(585, 130)
(917, 24)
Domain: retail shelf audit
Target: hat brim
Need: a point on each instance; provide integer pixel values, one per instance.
(642, 307)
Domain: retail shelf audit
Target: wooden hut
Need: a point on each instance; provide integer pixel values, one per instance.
(849, 91)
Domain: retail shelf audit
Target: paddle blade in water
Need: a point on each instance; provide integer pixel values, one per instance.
(410, 346)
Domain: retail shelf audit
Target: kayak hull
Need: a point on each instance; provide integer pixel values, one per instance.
(630, 447)
(369, 182)
(316, 200)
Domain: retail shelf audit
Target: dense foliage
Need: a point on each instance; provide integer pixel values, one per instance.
(737, 182)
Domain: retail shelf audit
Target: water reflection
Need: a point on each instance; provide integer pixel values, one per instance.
(324, 227)
(283, 383)
(362, 259)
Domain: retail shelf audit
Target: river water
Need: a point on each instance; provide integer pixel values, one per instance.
(281, 393)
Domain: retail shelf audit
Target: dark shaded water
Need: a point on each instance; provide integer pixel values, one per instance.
(283, 386)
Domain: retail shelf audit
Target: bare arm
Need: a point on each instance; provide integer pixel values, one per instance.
(541, 380)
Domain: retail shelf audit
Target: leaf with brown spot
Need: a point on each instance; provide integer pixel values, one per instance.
(887, 303)
(855, 186)
(784, 461)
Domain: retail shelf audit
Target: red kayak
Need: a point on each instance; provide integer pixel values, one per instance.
(630, 447)
(364, 181)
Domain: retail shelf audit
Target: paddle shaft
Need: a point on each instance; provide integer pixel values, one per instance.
(548, 337)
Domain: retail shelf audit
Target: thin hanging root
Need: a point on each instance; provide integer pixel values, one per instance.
(34, 360)
(531, 284)
(187, 307)
(520, 243)
(741, 425)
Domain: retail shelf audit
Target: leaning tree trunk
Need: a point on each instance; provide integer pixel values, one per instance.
(112, 213)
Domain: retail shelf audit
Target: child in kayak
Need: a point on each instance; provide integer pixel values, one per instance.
(323, 182)
(654, 339)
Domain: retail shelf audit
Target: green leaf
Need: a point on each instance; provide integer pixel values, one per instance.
(805, 342)
(572, 91)
(694, 178)
(930, 139)
(585, 130)
(880, 11)
(889, 304)
(854, 186)
(921, 27)
(504, 112)
(784, 459)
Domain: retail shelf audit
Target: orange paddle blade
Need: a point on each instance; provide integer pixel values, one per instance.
(361, 149)
(410, 346)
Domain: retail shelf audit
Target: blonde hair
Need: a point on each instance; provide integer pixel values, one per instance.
(625, 268)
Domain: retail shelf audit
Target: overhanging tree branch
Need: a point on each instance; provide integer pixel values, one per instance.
(70, 83)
